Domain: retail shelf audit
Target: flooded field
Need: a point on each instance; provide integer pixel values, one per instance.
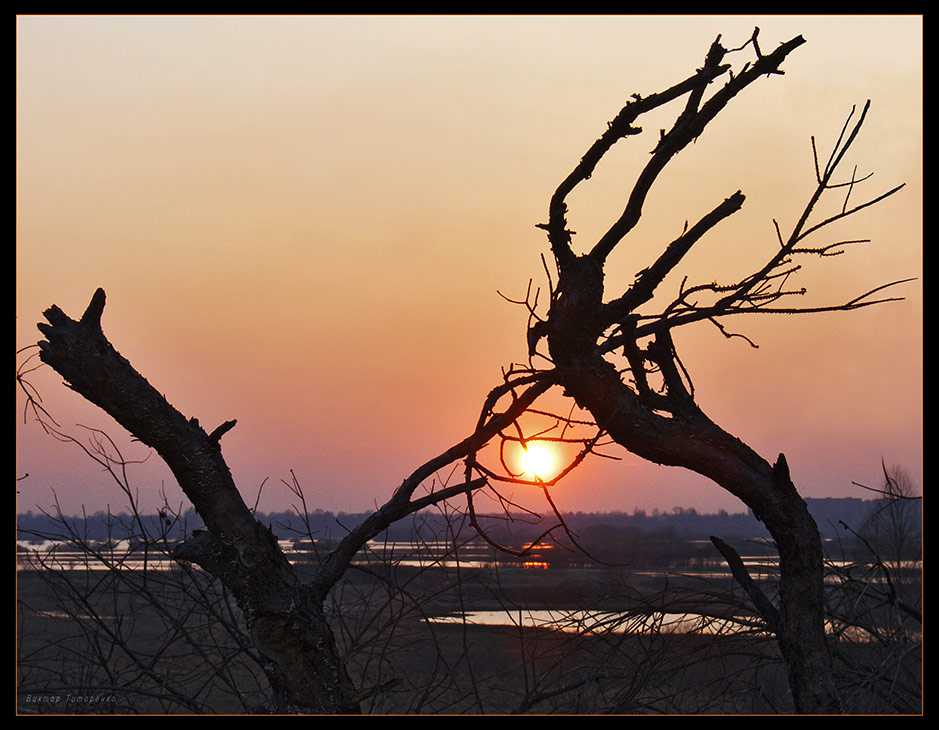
(447, 632)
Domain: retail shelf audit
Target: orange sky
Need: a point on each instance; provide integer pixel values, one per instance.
(302, 223)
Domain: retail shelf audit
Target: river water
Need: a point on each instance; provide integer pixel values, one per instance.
(120, 555)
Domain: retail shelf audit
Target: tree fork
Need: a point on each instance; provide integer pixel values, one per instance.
(666, 426)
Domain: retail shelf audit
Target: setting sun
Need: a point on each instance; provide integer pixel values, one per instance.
(537, 461)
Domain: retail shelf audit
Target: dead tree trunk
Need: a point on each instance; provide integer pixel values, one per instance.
(621, 366)
(285, 617)
(616, 362)
(689, 439)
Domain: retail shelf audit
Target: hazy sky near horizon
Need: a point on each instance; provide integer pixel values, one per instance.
(303, 223)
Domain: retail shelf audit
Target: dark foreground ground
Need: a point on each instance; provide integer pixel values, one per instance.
(92, 643)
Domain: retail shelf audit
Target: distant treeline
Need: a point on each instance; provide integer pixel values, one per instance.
(679, 524)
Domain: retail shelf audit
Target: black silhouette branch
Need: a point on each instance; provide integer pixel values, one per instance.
(766, 608)
(402, 503)
(620, 363)
(687, 127)
(892, 596)
(284, 615)
(759, 292)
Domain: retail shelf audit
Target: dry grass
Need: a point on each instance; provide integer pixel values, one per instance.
(93, 637)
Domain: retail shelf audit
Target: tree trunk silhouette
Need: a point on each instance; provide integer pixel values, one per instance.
(285, 616)
(689, 439)
(643, 398)
(616, 362)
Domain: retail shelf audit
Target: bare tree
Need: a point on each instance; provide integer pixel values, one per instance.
(284, 615)
(875, 602)
(893, 529)
(113, 623)
(619, 364)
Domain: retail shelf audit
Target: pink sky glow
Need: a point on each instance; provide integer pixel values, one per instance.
(303, 223)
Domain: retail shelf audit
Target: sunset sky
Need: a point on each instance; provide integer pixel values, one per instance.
(303, 223)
